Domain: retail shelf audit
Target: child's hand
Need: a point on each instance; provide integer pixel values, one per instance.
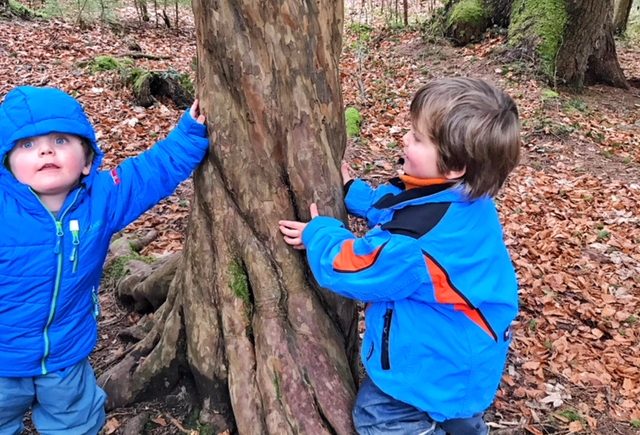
(195, 112)
(292, 230)
(346, 173)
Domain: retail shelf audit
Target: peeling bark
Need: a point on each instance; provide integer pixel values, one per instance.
(268, 350)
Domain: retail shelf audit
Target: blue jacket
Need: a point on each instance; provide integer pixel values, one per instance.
(440, 289)
(50, 272)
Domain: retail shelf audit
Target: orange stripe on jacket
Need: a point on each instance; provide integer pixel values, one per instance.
(348, 261)
(446, 293)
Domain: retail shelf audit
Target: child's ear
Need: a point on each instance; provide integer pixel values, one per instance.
(454, 175)
(86, 170)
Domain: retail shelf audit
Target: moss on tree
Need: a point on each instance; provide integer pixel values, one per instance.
(467, 21)
(18, 9)
(239, 282)
(539, 25)
(118, 268)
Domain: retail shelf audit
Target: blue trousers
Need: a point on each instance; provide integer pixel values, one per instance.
(65, 402)
(377, 413)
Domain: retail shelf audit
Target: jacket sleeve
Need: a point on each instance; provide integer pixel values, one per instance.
(376, 267)
(141, 182)
(360, 198)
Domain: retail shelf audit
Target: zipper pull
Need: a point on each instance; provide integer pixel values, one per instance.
(59, 234)
(96, 303)
(74, 227)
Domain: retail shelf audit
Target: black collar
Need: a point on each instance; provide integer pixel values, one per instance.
(390, 200)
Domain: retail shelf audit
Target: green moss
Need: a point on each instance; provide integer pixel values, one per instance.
(545, 20)
(108, 63)
(23, 11)
(362, 31)
(549, 95)
(571, 415)
(139, 78)
(466, 21)
(117, 268)
(468, 11)
(240, 285)
(276, 385)
(353, 119)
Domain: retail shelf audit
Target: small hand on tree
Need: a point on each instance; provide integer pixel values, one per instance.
(292, 230)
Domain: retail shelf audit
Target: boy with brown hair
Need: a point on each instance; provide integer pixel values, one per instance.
(440, 288)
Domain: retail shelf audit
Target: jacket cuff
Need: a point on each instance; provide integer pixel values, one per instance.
(316, 225)
(358, 198)
(347, 185)
(190, 127)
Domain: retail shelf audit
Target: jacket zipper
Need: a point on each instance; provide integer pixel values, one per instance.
(386, 330)
(57, 250)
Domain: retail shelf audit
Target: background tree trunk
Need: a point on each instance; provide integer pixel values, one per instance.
(588, 52)
(405, 12)
(269, 351)
(572, 39)
(621, 15)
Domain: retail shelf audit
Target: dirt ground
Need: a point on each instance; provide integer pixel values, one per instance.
(570, 210)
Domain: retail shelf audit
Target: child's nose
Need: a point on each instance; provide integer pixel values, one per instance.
(45, 148)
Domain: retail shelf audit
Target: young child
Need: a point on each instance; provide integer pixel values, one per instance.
(433, 269)
(58, 214)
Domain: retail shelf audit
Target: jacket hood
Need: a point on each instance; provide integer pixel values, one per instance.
(29, 111)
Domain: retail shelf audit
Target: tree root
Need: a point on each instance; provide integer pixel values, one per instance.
(140, 282)
(150, 367)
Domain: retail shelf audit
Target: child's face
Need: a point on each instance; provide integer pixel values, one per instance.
(50, 164)
(420, 156)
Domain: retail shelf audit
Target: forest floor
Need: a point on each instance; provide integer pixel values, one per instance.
(570, 210)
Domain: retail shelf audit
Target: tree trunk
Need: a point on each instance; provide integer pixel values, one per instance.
(588, 52)
(572, 39)
(621, 16)
(269, 351)
(405, 12)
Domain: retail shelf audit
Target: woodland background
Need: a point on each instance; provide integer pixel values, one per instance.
(570, 210)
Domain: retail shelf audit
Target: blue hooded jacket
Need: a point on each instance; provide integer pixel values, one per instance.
(440, 288)
(50, 266)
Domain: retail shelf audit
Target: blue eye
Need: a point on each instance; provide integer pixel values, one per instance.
(27, 145)
(61, 140)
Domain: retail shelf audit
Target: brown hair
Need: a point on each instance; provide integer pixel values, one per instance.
(89, 154)
(474, 126)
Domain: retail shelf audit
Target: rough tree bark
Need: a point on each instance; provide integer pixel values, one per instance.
(269, 351)
(572, 39)
(621, 14)
(588, 51)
